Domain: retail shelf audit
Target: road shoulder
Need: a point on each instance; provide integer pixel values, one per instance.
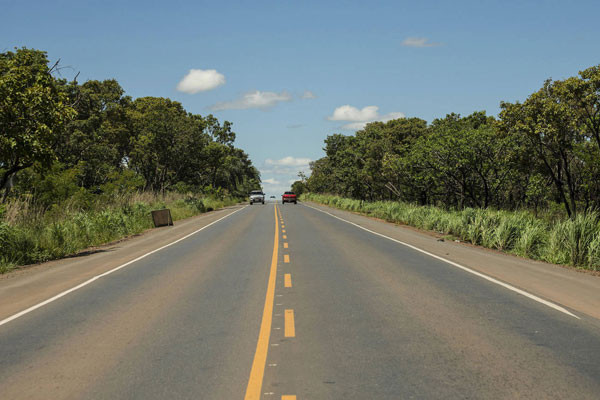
(577, 291)
(31, 285)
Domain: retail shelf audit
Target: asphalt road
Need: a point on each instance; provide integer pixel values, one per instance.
(274, 302)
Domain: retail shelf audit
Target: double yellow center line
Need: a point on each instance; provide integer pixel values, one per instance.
(253, 390)
(260, 357)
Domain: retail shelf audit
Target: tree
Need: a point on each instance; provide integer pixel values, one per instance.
(158, 150)
(320, 178)
(380, 145)
(98, 139)
(582, 95)
(169, 145)
(551, 129)
(298, 187)
(34, 109)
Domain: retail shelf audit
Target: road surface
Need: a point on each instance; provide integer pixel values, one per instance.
(286, 302)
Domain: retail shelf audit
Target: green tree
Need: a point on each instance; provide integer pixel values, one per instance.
(320, 180)
(34, 109)
(552, 131)
(158, 146)
(98, 139)
(582, 95)
(298, 187)
(381, 145)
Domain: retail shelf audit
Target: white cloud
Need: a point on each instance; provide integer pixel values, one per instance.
(289, 161)
(418, 42)
(349, 113)
(200, 80)
(359, 118)
(355, 126)
(275, 187)
(271, 181)
(285, 170)
(384, 118)
(256, 99)
(308, 95)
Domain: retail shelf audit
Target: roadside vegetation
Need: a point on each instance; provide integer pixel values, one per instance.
(569, 241)
(83, 164)
(526, 182)
(31, 235)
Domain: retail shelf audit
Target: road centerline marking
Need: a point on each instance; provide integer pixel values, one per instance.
(288, 281)
(457, 265)
(253, 390)
(288, 397)
(286, 258)
(285, 245)
(289, 326)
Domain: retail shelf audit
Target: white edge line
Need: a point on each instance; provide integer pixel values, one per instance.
(66, 292)
(479, 274)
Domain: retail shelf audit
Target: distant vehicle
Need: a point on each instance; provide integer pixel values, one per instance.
(289, 197)
(257, 196)
(272, 197)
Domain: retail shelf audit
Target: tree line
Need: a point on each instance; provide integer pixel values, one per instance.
(538, 153)
(60, 139)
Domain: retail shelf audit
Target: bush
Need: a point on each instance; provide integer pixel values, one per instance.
(532, 239)
(578, 235)
(594, 253)
(509, 230)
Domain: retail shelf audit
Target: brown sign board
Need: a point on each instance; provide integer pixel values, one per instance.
(162, 217)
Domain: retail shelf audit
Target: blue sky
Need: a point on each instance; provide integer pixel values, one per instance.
(284, 70)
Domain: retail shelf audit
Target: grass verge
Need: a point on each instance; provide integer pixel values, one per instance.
(29, 235)
(574, 242)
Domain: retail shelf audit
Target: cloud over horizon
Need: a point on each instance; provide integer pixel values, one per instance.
(256, 99)
(271, 181)
(286, 170)
(200, 80)
(308, 95)
(359, 118)
(418, 42)
(289, 161)
(350, 113)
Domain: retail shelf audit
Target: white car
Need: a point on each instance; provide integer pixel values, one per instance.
(257, 196)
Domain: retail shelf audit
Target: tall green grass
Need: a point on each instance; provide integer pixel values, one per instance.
(29, 235)
(572, 241)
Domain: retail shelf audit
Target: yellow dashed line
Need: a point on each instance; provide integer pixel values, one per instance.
(290, 329)
(260, 357)
(285, 236)
(285, 245)
(283, 230)
(288, 397)
(287, 280)
(286, 258)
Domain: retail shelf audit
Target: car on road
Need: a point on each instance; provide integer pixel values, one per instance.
(272, 197)
(257, 196)
(289, 197)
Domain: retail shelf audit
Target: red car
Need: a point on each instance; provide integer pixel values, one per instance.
(289, 197)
